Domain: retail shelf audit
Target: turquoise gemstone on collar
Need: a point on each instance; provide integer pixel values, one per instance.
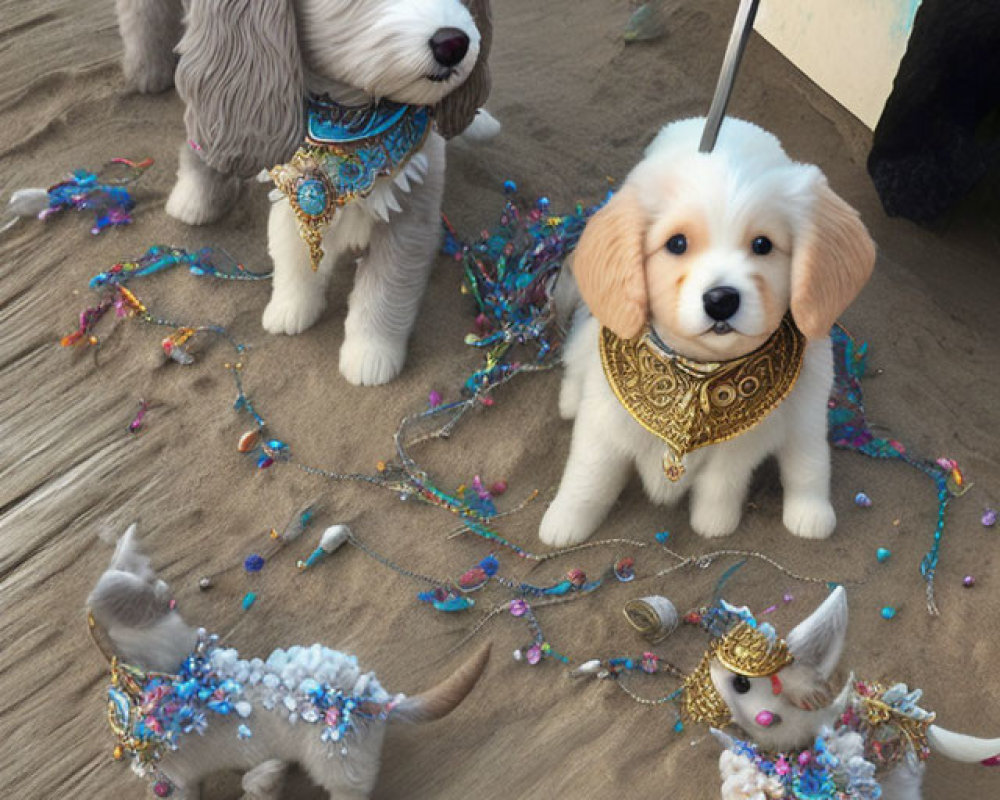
(312, 197)
(882, 554)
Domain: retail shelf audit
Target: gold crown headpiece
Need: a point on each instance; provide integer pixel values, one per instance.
(748, 651)
(745, 650)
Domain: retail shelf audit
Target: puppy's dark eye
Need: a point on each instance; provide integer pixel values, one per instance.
(761, 246)
(741, 683)
(677, 244)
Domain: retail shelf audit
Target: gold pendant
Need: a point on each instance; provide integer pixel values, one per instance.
(690, 404)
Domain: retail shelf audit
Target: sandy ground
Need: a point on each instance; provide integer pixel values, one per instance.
(577, 106)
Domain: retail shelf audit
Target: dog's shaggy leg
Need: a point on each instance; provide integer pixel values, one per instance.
(265, 781)
(150, 29)
(201, 194)
(298, 294)
(391, 279)
(595, 475)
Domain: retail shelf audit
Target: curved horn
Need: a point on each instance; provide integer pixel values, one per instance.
(959, 747)
(442, 699)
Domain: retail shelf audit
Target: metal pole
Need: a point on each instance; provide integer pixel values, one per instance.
(730, 64)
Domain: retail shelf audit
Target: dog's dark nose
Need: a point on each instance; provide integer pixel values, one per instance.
(721, 302)
(449, 46)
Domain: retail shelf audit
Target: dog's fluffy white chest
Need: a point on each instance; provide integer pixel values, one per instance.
(587, 395)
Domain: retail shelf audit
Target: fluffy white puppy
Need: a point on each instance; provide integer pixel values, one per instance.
(710, 251)
(133, 609)
(245, 70)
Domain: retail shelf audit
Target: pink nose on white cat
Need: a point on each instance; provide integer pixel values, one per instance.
(765, 719)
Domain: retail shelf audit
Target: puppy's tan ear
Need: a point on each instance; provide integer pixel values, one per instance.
(834, 257)
(609, 265)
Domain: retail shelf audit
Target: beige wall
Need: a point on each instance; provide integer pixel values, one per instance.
(851, 48)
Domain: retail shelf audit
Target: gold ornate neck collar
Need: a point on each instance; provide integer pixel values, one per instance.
(691, 404)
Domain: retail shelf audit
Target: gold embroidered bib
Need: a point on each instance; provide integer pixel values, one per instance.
(690, 404)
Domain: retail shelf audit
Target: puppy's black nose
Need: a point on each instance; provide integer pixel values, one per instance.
(721, 302)
(449, 46)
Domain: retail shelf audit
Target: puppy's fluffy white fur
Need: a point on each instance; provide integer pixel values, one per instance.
(821, 256)
(807, 705)
(263, 58)
(133, 607)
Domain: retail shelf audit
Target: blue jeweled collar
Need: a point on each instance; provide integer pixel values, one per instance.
(347, 149)
(328, 122)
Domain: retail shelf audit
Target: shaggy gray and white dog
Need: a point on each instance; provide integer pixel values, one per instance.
(244, 72)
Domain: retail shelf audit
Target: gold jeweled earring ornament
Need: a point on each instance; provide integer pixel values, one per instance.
(690, 404)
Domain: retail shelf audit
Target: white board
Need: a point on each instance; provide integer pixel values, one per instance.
(851, 48)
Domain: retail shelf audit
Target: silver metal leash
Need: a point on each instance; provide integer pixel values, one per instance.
(730, 64)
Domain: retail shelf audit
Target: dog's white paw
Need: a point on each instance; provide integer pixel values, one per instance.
(484, 126)
(714, 519)
(190, 203)
(370, 362)
(562, 527)
(809, 517)
(150, 75)
(292, 316)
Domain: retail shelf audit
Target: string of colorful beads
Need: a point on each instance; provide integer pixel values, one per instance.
(105, 193)
(850, 429)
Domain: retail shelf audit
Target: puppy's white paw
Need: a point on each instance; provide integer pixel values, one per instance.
(370, 362)
(809, 517)
(292, 315)
(190, 203)
(714, 519)
(562, 527)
